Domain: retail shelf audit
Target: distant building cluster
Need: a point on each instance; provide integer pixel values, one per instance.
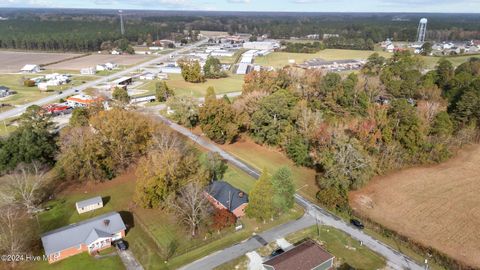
(333, 66)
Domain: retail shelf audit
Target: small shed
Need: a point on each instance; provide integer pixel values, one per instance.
(89, 205)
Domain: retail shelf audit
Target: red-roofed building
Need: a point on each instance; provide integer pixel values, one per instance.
(306, 256)
(82, 100)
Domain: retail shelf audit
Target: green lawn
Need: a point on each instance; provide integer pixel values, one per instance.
(281, 59)
(80, 261)
(29, 94)
(431, 61)
(233, 83)
(272, 159)
(152, 229)
(344, 248)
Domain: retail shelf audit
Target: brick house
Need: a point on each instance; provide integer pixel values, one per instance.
(90, 236)
(224, 196)
(305, 256)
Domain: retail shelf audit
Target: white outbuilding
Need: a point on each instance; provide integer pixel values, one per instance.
(89, 204)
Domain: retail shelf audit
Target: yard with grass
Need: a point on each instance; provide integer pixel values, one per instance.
(233, 83)
(261, 157)
(150, 231)
(281, 59)
(80, 261)
(29, 94)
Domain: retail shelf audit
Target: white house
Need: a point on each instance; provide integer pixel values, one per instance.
(106, 66)
(115, 52)
(89, 205)
(88, 71)
(149, 76)
(30, 68)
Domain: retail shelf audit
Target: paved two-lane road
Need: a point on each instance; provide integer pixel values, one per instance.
(54, 98)
(395, 259)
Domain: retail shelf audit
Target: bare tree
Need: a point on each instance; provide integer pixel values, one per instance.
(16, 231)
(191, 206)
(24, 186)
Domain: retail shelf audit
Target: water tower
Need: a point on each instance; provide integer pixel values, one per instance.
(422, 30)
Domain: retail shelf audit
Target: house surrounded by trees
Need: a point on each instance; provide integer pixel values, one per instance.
(224, 196)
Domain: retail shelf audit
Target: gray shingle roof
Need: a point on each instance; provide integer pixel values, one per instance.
(90, 201)
(84, 232)
(227, 195)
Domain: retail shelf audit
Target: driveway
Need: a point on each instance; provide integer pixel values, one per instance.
(129, 260)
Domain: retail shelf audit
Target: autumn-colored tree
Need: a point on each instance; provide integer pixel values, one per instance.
(121, 95)
(113, 140)
(79, 117)
(222, 218)
(161, 174)
(218, 120)
(163, 92)
(261, 205)
(184, 110)
(192, 71)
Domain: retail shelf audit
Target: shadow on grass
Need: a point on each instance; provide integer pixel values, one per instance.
(128, 219)
(106, 200)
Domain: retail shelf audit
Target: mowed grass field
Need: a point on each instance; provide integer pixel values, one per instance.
(272, 159)
(233, 83)
(281, 59)
(437, 206)
(29, 94)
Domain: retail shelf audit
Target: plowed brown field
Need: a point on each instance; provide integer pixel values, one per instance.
(438, 206)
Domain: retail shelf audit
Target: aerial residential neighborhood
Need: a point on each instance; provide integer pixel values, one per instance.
(239, 135)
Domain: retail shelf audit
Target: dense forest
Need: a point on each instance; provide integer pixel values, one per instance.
(76, 30)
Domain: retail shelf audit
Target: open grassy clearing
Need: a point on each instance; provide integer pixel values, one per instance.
(233, 83)
(431, 61)
(436, 205)
(261, 157)
(281, 59)
(29, 94)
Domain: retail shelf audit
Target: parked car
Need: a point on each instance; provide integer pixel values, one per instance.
(121, 245)
(357, 223)
(277, 252)
(60, 92)
(76, 90)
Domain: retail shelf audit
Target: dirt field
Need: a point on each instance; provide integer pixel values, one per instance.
(12, 62)
(95, 59)
(438, 206)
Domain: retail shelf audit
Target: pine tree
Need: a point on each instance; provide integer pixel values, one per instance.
(282, 182)
(260, 204)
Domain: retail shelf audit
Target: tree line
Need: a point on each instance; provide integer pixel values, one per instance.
(352, 127)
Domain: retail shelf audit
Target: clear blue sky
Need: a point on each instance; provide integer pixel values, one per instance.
(450, 6)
